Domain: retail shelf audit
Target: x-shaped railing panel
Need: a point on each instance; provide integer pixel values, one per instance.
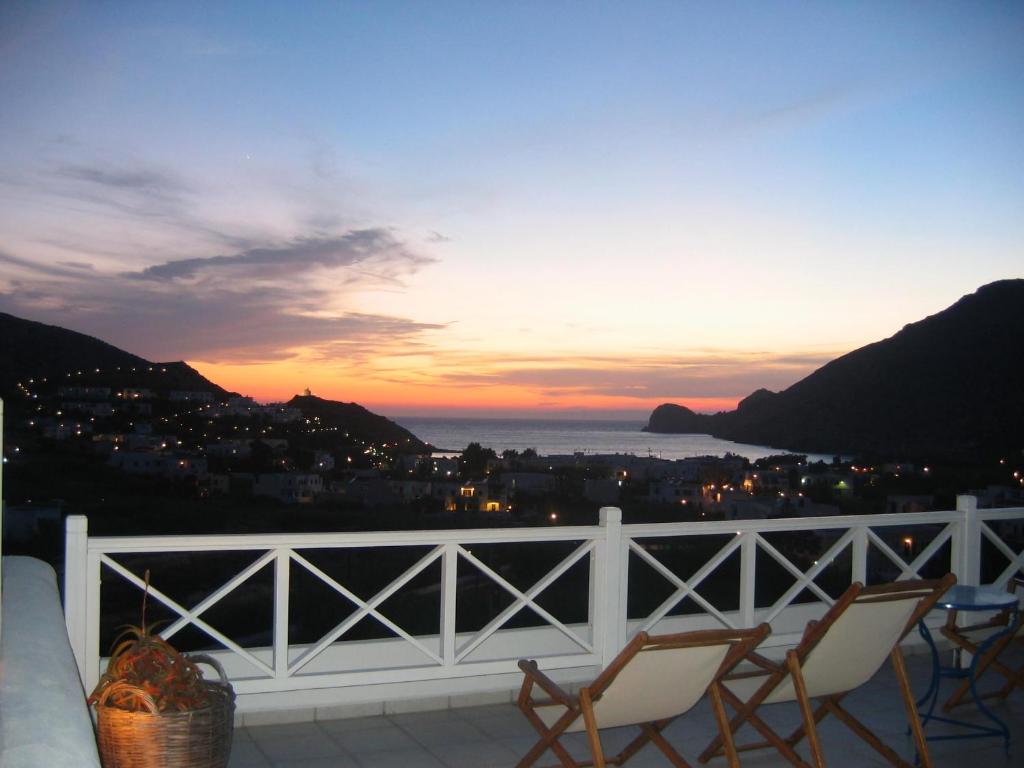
(192, 616)
(686, 588)
(365, 608)
(1016, 558)
(804, 579)
(524, 599)
(912, 570)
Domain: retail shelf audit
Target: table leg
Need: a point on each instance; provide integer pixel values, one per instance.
(932, 694)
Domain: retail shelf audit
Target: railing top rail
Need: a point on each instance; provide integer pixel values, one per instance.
(262, 541)
(1009, 513)
(642, 530)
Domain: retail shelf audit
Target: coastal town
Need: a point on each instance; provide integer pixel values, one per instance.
(209, 450)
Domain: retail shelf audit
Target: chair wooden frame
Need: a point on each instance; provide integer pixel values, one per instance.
(584, 711)
(775, 677)
(971, 637)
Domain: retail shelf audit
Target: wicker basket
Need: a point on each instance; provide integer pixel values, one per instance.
(198, 738)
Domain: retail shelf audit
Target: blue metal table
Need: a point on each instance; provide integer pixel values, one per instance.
(962, 597)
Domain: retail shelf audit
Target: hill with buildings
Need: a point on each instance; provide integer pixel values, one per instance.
(37, 351)
(947, 386)
(63, 376)
(357, 419)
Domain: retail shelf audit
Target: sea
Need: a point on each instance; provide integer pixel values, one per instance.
(567, 436)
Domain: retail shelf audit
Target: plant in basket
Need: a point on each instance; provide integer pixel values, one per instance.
(154, 707)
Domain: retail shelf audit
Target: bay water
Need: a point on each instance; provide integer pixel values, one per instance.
(567, 436)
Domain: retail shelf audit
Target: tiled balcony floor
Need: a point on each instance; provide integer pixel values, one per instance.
(496, 736)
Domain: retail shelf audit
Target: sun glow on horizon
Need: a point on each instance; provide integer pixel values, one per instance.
(278, 382)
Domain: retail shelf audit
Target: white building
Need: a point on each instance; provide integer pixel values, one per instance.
(289, 487)
(675, 491)
(323, 461)
(189, 396)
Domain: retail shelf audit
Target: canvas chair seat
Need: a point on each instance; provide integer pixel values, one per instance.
(837, 654)
(651, 682)
(852, 657)
(660, 684)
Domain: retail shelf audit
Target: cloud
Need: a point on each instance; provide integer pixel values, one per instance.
(36, 267)
(377, 246)
(805, 109)
(707, 374)
(260, 304)
(127, 188)
(127, 195)
(167, 266)
(78, 265)
(146, 181)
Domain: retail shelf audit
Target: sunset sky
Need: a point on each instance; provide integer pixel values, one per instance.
(506, 208)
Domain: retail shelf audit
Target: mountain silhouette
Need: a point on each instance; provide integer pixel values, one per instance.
(357, 420)
(36, 350)
(32, 350)
(948, 386)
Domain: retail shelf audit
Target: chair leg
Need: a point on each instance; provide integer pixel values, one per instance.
(548, 740)
(900, 668)
(801, 730)
(832, 705)
(653, 733)
(746, 714)
(793, 663)
(989, 660)
(593, 737)
(1015, 681)
(723, 726)
(716, 746)
(543, 746)
(772, 739)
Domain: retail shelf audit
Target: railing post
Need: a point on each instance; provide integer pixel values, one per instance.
(967, 555)
(859, 555)
(282, 580)
(449, 597)
(76, 588)
(608, 588)
(748, 578)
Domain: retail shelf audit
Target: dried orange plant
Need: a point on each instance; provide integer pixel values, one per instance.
(145, 673)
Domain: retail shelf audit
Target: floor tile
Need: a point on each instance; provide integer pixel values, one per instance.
(331, 761)
(485, 754)
(309, 743)
(372, 740)
(453, 731)
(409, 758)
(245, 754)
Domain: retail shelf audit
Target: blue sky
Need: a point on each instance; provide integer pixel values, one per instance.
(514, 208)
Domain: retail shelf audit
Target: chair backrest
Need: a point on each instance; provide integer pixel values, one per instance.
(657, 677)
(853, 639)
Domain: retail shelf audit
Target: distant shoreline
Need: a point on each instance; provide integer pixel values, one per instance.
(559, 437)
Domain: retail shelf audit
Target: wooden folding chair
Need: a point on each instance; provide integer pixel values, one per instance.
(972, 638)
(653, 680)
(836, 655)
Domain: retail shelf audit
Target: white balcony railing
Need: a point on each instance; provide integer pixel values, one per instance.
(711, 567)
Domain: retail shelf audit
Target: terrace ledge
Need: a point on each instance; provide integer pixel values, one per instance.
(44, 720)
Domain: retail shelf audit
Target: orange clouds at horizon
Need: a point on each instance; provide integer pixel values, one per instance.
(280, 381)
(435, 380)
